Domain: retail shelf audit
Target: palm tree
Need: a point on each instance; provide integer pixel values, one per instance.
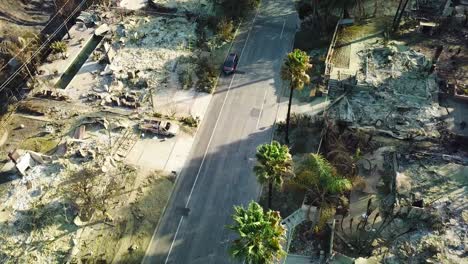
(398, 14)
(317, 176)
(261, 235)
(274, 163)
(294, 70)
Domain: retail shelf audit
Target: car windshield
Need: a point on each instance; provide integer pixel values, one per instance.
(229, 62)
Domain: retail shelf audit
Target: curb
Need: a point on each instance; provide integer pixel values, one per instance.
(176, 182)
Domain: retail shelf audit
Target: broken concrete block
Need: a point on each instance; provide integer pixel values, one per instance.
(107, 71)
(24, 163)
(460, 19)
(117, 85)
(80, 132)
(40, 158)
(101, 30)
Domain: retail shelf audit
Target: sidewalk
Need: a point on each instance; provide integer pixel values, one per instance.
(314, 107)
(53, 71)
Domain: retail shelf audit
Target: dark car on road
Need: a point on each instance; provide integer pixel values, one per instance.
(230, 64)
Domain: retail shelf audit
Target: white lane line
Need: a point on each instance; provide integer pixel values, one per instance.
(196, 133)
(172, 244)
(261, 108)
(282, 30)
(219, 115)
(209, 143)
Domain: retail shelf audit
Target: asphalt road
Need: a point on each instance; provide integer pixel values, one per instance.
(218, 173)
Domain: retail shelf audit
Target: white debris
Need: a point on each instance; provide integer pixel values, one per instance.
(199, 6)
(152, 46)
(394, 91)
(101, 30)
(133, 4)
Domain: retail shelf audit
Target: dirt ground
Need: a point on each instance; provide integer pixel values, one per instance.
(20, 15)
(135, 209)
(136, 215)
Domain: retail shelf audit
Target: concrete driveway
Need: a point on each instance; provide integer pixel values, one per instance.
(218, 173)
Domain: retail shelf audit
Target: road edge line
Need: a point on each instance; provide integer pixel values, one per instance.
(220, 112)
(211, 138)
(177, 178)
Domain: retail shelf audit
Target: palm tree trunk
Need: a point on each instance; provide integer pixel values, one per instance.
(270, 193)
(396, 13)
(397, 22)
(288, 117)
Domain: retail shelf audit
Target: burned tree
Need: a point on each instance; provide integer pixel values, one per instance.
(90, 190)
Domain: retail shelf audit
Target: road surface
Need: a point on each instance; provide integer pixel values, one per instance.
(218, 173)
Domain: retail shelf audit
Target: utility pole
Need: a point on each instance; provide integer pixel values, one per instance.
(65, 23)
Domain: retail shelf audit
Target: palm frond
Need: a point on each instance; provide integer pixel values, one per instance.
(274, 163)
(260, 235)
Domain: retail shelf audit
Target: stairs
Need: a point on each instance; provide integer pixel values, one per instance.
(124, 144)
(291, 222)
(335, 88)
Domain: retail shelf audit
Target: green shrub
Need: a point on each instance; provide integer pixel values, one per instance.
(190, 121)
(185, 79)
(157, 115)
(237, 9)
(326, 213)
(207, 75)
(225, 29)
(59, 47)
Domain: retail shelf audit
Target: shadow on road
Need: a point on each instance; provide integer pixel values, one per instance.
(225, 180)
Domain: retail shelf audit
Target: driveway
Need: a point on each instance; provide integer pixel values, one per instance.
(218, 173)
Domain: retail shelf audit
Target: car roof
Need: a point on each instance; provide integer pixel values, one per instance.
(232, 55)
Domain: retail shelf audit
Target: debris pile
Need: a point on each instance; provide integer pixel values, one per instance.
(431, 216)
(418, 170)
(394, 94)
(185, 5)
(35, 214)
(50, 94)
(151, 47)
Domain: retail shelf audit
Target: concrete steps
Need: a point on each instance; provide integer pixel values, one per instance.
(124, 144)
(291, 222)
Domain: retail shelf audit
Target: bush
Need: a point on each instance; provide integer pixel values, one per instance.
(212, 22)
(302, 121)
(237, 9)
(225, 29)
(157, 115)
(59, 47)
(206, 74)
(185, 79)
(304, 9)
(326, 213)
(190, 121)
